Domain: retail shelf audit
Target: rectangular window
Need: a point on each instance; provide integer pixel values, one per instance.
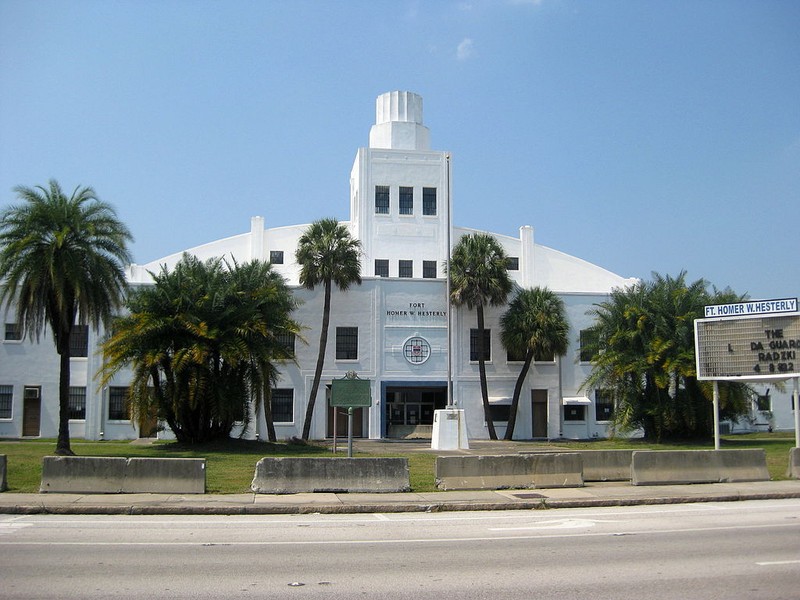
(346, 343)
(429, 201)
(545, 357)
(286, 340)
(118, 404)
(406, 201)
(764, 402)
(6, 398)
(77, 403)
(500, 412)
(381, 267)
(512, 263)
(603, 405)
(473, 344)
(406, 268)
(276, 257)
(79, 341)
(587, 340)
(575, 412)
(515, 356)
(13, 333)
(282, 405)
(429, 269)
(381, 199)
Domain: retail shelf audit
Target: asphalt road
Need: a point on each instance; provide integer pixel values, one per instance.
(711, 551)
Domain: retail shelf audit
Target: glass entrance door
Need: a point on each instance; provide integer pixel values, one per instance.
(409, 410)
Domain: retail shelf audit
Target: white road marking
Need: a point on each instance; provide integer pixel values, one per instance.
(778, 562)
(407, 541)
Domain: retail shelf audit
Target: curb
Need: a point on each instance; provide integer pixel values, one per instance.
(396, 507)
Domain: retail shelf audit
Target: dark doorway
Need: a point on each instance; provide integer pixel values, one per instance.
(32, 412)
(409, 410)
(539, 412)
(341, 422)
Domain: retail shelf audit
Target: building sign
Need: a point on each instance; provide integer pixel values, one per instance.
(416, 350)
(756, 347)
(759, 307)
(416, 313)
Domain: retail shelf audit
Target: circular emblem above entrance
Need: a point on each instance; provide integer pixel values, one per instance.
(416, 350)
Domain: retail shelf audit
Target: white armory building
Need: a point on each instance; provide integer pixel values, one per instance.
(390, 330)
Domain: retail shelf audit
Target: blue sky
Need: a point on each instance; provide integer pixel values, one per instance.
(639, 135)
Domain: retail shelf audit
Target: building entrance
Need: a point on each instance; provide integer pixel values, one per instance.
(409, 410)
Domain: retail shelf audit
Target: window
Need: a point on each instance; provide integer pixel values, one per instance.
(514, 356)
(406, 268)
(79, 341)
(473, 344)
(381, 267)
(282, 405)
(77, 403)
(512, 263)
(429, 269)
(13, 333)
(588, 339)
(603, 405)
(118, 404)
(276, 257)
(428, 201)
(575, 412)
(406, 201)
(381, 199)
(499, 412)
(346, 343)
(764, 402)
(6, 398)
(286, 340)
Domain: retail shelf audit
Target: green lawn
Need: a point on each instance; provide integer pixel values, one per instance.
(231, 464)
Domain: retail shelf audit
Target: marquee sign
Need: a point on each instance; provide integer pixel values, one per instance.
(758, 346)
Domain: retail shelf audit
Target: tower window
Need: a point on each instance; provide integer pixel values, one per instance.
(381, 199)
(406, 268)
(406, 201)
(429, 201)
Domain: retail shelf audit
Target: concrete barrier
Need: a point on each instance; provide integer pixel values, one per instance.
(600, 465)
(509, 471)
(3, 481)
(298, 475)
(794, 463)
(661, 467)
(114, 475)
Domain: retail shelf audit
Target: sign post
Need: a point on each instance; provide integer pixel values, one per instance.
(349, 392)
(749, 341)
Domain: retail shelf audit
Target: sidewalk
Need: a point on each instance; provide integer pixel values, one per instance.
(592, 495)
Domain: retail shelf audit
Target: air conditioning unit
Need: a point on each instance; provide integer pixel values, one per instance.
(31, 393)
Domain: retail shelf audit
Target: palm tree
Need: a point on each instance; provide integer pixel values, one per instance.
(478, 278)
(62, 263)
(202, 342)
(535, 325)
(645, 356)
(327, 255)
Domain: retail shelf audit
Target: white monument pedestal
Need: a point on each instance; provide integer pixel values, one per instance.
(449, 430)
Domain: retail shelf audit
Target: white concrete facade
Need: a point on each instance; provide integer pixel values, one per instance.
(398, 314)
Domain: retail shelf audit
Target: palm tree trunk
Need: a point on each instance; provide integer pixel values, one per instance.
(267, 401)
(512, 413)
(487, 413)
(63, 444)
(323, 342)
